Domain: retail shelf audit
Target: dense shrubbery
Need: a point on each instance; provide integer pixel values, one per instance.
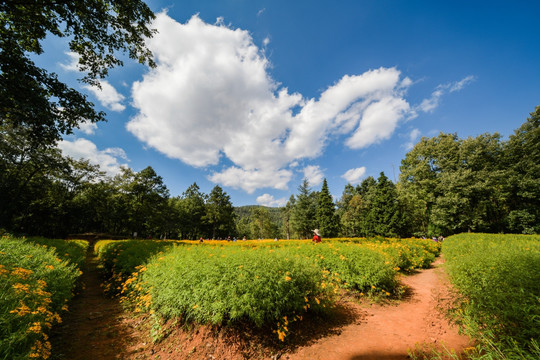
(498, 277)
(262, 283)
(73, 251)
(119, 258)
(36, 285)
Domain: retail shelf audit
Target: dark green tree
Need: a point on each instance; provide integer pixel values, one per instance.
(219, 216)
(327, 220)
(384, 216)
(523, 162)
(192, 212)
(303, 215)
(286, 214)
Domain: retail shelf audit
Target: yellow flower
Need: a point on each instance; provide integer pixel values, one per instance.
(50, 267)
(21, 287)
(36, 328)
(287, 278)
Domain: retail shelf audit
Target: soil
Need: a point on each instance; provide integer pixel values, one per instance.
(96, 327)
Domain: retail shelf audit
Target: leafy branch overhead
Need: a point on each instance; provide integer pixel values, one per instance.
(98, 31)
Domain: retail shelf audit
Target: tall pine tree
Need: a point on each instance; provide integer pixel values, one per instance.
(327, 220)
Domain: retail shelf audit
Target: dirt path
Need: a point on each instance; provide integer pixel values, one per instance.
(93, 328)
(389, 332)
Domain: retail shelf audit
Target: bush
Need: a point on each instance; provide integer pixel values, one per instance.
(73, 251)
(498, 277)
(228, 286)
(119, 259)
(36, 286)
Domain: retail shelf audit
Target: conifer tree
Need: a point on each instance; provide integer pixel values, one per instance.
(304, 212)
(327, 220)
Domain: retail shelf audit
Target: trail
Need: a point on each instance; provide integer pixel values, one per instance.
(93, 328)
(389, 332)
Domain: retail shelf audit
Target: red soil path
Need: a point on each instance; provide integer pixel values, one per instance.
(96, 328)
(391, 332)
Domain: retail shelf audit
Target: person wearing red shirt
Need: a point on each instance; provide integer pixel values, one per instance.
(316, 236)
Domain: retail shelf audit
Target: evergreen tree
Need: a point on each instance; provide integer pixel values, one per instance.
(384, 212)
(304, 211)
(286, 214)
(192, 212)
(327, 220)
(220, 215)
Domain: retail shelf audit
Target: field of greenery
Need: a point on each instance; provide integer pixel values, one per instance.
(266, 284)
(498, 279)
(37, 280)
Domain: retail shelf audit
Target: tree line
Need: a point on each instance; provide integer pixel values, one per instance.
(446, 185)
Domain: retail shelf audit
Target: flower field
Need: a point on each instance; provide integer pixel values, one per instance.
(498, 279)
(266, 284)
(37, 279)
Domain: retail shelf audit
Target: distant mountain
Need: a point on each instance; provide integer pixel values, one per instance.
(245, 211)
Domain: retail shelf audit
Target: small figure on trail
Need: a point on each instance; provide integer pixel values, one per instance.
(201, 240)
(244, 239)
(316, 236)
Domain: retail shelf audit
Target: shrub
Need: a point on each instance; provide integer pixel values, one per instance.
(36, 286)
(498, 277)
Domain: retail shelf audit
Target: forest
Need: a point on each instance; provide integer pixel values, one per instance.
(447, 185)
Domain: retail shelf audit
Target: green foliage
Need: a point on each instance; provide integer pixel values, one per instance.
(498, 277)
(120, 258)
(97, 30)
(327, 221)
(303, 212)
(36, 287)
(262, 283)
(230, 285)
(219, 214)
(73, 251)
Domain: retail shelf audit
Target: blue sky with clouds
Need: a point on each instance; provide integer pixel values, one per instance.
(256, 95)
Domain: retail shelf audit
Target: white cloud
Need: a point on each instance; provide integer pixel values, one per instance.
(268, 200)
(107, 159)
(313, 174)
(251, 180)
(107, 96)
(354, 176)
(211, 97)
(430, 104)
(73, 64)
(88, 128)
(413, 136)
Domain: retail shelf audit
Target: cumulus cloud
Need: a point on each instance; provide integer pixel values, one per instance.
(268, 200)
(251, 180)
(211, 97)
(88, 128)
(354, 176)
(431, 103)
(313, 174)
(109, 160)
(107, 96)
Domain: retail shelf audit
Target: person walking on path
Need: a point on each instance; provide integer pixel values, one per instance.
(316, 236)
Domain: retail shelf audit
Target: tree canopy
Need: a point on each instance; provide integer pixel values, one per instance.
(97, 31)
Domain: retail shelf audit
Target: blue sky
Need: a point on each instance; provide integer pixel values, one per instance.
(256, 95)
